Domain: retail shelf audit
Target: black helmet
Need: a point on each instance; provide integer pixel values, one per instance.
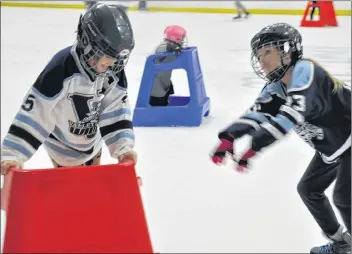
(104, 30)
(286, 39)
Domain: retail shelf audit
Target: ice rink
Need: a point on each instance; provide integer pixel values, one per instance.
(192, 205)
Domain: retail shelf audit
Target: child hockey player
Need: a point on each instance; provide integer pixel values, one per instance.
(240, 9)
(79, 99)
(175, 38)
(300, 95)
(313, 9)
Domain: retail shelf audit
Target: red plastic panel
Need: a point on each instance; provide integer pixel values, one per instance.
(71, 210)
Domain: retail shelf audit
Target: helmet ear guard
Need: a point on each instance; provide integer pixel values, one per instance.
(79, 30)
(82, 37)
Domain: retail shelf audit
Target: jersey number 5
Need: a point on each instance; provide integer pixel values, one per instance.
(29, 103)
(297, 102)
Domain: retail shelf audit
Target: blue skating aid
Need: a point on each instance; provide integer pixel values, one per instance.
(182, 110)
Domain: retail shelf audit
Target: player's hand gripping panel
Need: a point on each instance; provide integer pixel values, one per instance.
(95, 209)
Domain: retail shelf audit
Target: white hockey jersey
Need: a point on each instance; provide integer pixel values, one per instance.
(70, 115)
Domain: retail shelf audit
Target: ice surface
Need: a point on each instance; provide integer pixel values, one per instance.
(192, 205)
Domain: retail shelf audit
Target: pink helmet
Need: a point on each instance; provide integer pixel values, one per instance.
(176, 34)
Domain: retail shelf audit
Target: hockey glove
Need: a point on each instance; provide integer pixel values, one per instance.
(260, 140)
(225, 147)
(243, 163)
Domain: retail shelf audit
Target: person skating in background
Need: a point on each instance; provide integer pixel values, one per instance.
(142, 5)
(313, 9)
(89, 4)
(175, 38)
(240, 9)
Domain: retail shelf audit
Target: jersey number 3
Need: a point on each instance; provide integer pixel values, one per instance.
(297, 102)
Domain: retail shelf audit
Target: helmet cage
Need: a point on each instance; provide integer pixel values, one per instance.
(94, 46)
(287, 51)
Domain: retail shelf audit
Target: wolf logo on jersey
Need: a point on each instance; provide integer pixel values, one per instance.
(87, 112)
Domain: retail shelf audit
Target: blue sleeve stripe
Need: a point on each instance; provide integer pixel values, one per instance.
(115, 113)
(119, 136)
(237, 126)
(18, 148)
(27, 120)
(258, 117)
(284, 122)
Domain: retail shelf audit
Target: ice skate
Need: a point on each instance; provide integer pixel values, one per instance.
(335, 246)
(237, 17)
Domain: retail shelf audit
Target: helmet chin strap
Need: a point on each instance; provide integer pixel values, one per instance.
(277, 74)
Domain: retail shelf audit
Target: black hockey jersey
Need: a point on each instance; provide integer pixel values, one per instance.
(71, 114)
(318, 111)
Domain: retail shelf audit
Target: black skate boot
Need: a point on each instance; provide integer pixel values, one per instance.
(237, 17)
(340, 243)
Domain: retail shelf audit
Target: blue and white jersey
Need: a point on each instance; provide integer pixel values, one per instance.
(267, 105)
(315, 109)
(70, 114)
